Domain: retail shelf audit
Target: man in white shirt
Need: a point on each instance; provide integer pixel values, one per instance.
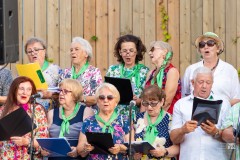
(198, 142)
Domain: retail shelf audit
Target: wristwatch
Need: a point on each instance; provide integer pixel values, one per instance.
(217, 134)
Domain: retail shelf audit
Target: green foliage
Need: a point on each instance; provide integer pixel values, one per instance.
(164, 24)
(94, 38)
(50, 60)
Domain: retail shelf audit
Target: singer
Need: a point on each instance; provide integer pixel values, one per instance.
(19, 95)
(230, 123)
(107, 121)
(153, 125)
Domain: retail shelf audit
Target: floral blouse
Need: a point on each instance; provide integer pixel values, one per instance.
(51, 75)
(121, 128)
(10, 151)
(163, 137)
(90, 79)
(114, 71)
(5, 81)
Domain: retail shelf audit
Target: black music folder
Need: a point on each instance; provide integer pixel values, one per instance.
(204, 110)
(101, 142)
(124, 87)
(140, 147)
(57, 147)
(17, 123)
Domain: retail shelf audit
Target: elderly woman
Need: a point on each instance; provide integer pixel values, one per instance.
(129, 50)
(165, 75)
(226, 82)
(88, 75)
(66, 121)
(5, 82)
(106, 120)
(154, 125)
(19, 95)
(36, 50)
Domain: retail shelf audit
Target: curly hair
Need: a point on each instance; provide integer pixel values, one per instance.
(141, 49)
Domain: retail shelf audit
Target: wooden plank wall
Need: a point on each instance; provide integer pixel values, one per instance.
(58, 21)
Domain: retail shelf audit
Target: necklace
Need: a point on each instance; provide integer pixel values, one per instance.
(215, 65)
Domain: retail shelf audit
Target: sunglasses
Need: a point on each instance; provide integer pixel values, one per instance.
(152, 104)
(210, 43)
(103, 97)
(153, 49)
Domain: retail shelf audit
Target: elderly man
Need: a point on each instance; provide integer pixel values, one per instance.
(230, 127)
(198, 142)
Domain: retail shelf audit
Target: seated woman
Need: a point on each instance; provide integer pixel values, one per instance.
(154, 125)
(21, 89)
(107, 121)
(66, 121)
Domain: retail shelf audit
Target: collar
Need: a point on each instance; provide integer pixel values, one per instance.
(210, 97)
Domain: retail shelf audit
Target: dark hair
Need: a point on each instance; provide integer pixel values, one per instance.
(152, 92)
(12, 94)
(141, 49)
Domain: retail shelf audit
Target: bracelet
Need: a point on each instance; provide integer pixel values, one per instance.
(217, 134)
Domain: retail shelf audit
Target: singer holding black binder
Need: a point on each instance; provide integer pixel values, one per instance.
(154, 124)
(231, 130)
(129, 51)
(106, 121)
(20, 92)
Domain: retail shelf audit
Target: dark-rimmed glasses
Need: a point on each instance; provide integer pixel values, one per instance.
(64, 91)
(35, 50)
(130, 51)
(103, 97)
(209, 43)
(152, 104)
(153, 49)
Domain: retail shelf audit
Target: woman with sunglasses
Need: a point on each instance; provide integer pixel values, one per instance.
(165, 75)
(129, 51)
(19, 97)
(89, 76)
(66, 121)
(36, 51)
(107, 120)
(226, 81)
(154, 124)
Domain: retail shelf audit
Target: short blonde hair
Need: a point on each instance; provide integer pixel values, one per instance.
(74, 86)
(111, 88)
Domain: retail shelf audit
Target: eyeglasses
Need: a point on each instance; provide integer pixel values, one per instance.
(130, 51)
(64, 91)
(103, 97)
(35, 50)
(152, 104)
(153, 49)
(210, 43)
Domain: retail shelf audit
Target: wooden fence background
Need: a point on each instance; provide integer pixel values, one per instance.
(58, 21)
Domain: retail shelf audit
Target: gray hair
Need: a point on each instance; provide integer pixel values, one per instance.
(33, 40)
(202, 70)
(162, 45)
(86, 46)
(111, 88)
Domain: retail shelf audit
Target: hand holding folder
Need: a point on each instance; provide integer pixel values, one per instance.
(17, 123)
(140, 147)
(204, 110)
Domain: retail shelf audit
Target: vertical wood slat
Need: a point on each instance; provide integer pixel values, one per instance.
(28, 23)
(238, 35)
(231, 32)
(89, 27)
(77, 18)
(65, 30)
(173, 28)
(207, 15)
(219, 22)
(126, 17)
(40, 26)
(138, 18)
(113, 29)
(150, 27)
(196, 27)
(53, 31)
(101, 32)
(185, 38)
